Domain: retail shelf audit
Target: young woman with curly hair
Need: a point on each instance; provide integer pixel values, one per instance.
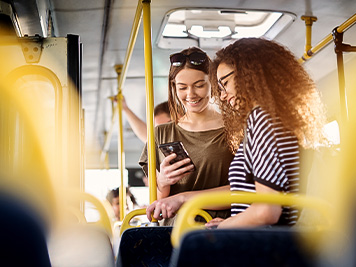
(270, 108)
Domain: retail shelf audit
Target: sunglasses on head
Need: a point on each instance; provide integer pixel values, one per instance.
(195, 58)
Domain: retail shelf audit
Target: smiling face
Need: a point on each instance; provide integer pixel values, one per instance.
(226, 77)
(193, 89)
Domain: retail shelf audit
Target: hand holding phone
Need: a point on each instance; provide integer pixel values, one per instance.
(177, 148)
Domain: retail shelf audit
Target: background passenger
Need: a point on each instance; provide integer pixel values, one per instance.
(270, 108)
(114, 199)
(199, 126)
(161, 115)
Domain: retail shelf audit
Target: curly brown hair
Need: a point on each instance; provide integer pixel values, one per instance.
(176, 108)
(268, 74)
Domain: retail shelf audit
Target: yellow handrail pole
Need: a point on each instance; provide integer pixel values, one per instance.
(129, 50)
(131, 44)
(185, 221)
(107, 139)
(118, 108)
(343, 27)
(104, 217)
(149, 99)
(126, 222)
(120, 149)
(308, 31)
(347, 24)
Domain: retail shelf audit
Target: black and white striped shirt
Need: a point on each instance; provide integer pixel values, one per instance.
(269, 155)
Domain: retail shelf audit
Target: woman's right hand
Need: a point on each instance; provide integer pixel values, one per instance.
(171, 173)
(214, 223)
(124, 105)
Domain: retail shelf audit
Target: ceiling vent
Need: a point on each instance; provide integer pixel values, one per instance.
(215, 28)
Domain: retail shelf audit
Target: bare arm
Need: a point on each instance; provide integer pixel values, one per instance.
(138, 126)
(256, 215)
(162, 191)
(188, 195)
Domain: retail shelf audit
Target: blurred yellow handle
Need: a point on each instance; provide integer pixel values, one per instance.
(186, 223)
(126, 222)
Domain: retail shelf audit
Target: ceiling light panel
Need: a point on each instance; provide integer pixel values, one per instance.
(213, 28)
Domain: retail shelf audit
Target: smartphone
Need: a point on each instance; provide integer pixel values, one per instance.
(178, 149)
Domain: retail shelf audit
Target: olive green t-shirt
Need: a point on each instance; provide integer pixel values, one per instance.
(209, 153)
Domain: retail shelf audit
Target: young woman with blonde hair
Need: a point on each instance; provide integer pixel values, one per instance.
(199, 126)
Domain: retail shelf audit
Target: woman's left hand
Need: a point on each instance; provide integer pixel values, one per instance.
(165, 208)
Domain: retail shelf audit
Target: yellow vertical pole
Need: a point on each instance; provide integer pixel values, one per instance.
(149, 99)
(121, 153)
(122, 78)
(121, 71)
(342, 28)
(308, 31)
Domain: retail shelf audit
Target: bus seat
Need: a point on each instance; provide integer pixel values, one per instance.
(80, 245)
(272, 246)
(306, 162)
(145, 246)
(22, 235)
(317, 169)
